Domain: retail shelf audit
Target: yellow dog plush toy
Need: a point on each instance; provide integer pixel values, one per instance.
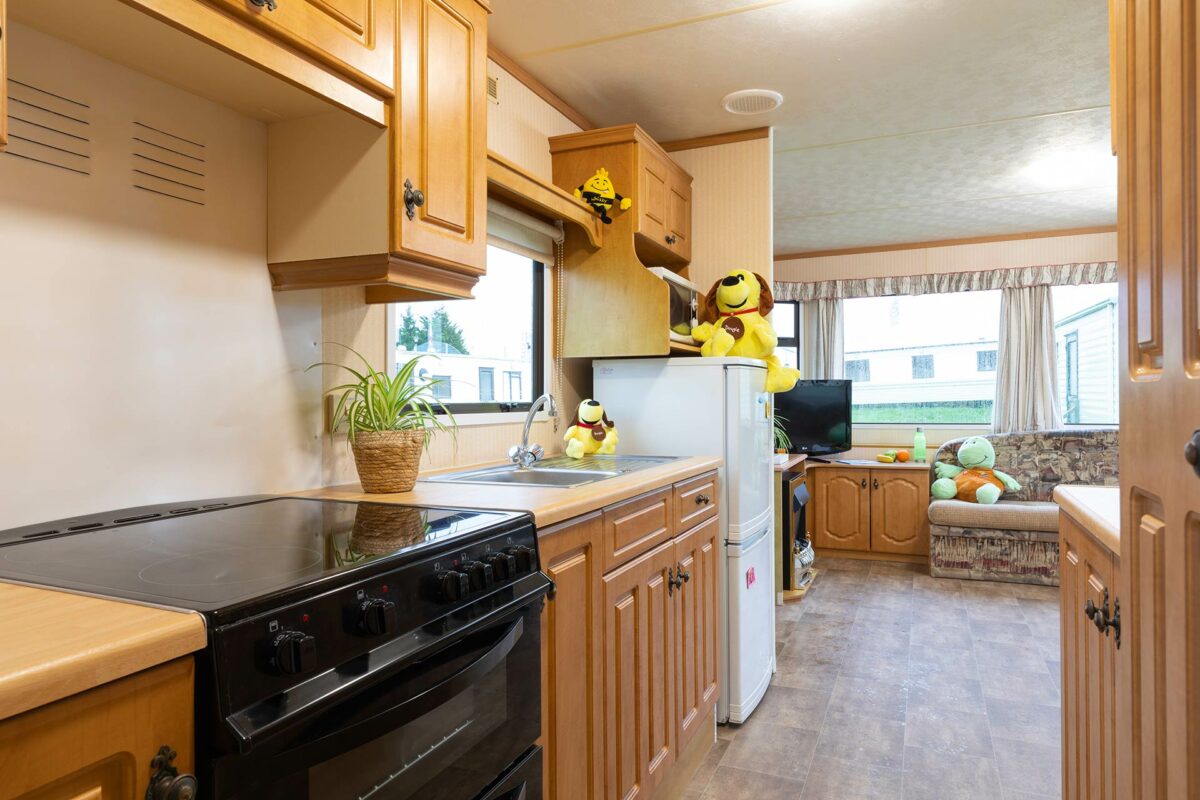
(735, 324)
(591, 432)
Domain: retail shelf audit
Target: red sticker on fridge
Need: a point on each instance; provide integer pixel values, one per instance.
(750, 579)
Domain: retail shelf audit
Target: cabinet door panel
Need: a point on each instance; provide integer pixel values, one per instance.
(442, 134)
(695, 626)
(652, 216)
(639, 726)
(356, 37)
(843, 507)
(572, 728)
(679, 218)
(1071, 580)
(1098, 688)
(899, 511)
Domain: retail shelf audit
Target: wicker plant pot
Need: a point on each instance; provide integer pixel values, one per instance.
(388, 461)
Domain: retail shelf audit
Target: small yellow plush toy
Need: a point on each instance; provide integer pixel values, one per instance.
(591, 432)
(598, 192)
(735, 323)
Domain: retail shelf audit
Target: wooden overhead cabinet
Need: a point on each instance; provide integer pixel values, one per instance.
(402, 212)
(356, 37)
(629, 667)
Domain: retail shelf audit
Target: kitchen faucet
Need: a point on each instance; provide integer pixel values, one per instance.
(524, 455)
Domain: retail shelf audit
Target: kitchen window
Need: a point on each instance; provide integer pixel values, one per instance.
(470, 342)
(785, 318)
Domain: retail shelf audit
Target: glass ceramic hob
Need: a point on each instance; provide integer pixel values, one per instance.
(222, 554)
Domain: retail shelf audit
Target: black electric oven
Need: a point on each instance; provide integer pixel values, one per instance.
(458, 722)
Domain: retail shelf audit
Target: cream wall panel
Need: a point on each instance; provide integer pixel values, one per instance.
(520, 125)
(146, 358)
(731, 209)
(1082, 248)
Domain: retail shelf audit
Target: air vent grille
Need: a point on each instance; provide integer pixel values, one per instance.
(493, 93)
(168, 164)
(48, 127)
(752, 101)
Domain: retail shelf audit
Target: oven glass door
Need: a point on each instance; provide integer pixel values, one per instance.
(443, 729)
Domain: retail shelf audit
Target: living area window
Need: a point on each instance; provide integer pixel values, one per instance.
(470, 342)
(1086, 344)
(922, 353)
(785, 318)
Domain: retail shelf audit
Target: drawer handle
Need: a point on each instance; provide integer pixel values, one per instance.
(670, 238)
(269, 5)
(413, 198)
(703, 500)
(676, 578)
(864, 483)
(875, 483)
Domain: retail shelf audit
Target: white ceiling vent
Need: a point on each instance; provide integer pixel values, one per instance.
(752, 101)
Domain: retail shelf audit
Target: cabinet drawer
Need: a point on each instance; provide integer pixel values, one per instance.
(695, 501)
(633, 527)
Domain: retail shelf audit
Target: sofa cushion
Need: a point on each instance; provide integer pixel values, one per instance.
(1013, 515)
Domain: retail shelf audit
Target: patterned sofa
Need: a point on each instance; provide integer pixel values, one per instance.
(1016, 539)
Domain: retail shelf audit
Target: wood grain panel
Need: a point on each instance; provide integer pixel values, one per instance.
(441, 143)
(99, 744)
(1071, 631)
(843, 509)
(1098, 691)
(637, 525)
(696, 500)
(660, 665)
(696, 625)
(572, 630)
(899, 511)
(1150, 713)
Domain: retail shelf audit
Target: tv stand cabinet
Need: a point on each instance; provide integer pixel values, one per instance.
(874, 510)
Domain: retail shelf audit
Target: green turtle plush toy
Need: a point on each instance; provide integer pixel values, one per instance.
(977, 480)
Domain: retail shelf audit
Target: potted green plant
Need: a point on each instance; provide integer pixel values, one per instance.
(783, 443)
(389, 420)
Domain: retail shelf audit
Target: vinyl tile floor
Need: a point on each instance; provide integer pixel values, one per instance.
(893, 684)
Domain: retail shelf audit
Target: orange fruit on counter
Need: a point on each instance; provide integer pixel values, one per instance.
(902, 455)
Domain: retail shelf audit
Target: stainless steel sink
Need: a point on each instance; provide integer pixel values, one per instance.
(559, 472)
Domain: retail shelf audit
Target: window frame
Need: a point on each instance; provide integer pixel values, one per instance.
(538, 356)
(790, 341)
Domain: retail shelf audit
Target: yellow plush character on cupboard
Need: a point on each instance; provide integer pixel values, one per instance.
(591, 432)
(735, 324)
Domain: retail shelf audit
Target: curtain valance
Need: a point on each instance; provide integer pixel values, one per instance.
(1009, 278)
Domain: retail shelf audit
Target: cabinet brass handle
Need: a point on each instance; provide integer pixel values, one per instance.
(670, 238)
(269, 5)
(875, 483)
(702, 500)
(864, 483)
(413, 198)
(1100, 617)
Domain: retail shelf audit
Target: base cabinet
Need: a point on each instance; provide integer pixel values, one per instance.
(875, 510)
(1087, 580)
(629, 667)
(98, 745)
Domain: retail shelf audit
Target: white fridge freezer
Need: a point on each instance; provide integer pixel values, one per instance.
(714, 406)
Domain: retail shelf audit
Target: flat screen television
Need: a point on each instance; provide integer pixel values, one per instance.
(816, 416)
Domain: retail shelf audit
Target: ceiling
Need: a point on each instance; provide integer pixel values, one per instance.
(903, 120)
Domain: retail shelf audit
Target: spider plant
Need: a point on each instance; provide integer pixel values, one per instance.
(783, 442)
(376, 401)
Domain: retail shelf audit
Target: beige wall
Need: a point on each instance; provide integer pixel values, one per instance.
(1082, 248)
(731, 209)
(518, 129)
(145, 356)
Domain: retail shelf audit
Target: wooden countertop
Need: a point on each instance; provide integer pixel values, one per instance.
(792, 462)
(1097, 509)
(548, 505)
(872, 465)
(54, 644)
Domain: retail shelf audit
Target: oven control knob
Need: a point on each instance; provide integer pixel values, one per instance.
(377, 616)
(481, 575)
(504, 566)
(525, 556)
(454, 585)
(294, 652)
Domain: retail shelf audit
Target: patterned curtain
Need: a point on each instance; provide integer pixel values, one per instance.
(1008, 278)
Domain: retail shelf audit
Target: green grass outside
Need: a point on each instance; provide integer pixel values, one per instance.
(962, 413)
